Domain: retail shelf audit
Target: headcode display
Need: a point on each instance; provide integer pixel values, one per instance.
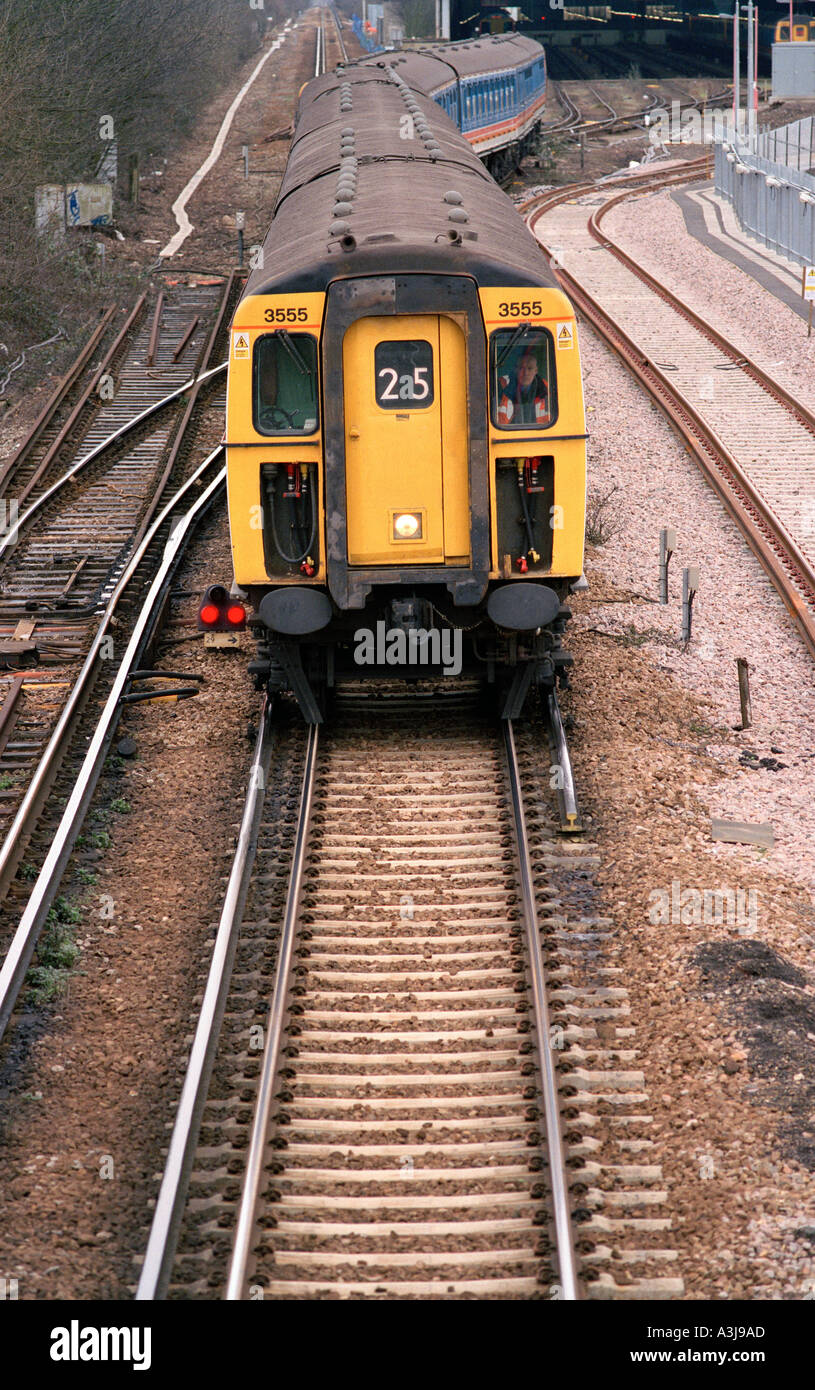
(403, 373)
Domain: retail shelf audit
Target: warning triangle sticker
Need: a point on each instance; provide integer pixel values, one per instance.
(241, 345)
(565, 335)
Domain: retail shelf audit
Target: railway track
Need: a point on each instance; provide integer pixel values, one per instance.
(65, 557)
(88, 543)
(323, 58)
(754, 441)
(338, 37)
(69, 408)
(574, 122)
(412, 1123)
(137, 605)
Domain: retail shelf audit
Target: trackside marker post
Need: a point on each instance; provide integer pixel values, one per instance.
(690, 583)
(744, 692)
(667, 546)
(808, 291)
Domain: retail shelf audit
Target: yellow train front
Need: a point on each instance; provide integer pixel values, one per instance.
(405, 421)
(803, 29)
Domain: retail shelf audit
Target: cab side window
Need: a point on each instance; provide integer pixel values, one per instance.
(523, 386)
(284, 383)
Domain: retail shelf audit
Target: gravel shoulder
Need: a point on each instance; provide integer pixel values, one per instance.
(724, 1025)
(651, 227)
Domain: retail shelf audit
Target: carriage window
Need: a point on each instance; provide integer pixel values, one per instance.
(403, 374)
(284, 387)
(523, 388)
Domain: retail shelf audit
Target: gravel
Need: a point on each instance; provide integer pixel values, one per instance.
(656, 757)
(652, 228)
(737, 612)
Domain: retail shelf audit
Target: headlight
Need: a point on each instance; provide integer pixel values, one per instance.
(407, 526)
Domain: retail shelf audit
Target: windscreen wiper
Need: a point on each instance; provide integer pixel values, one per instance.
(520, 331)
(285, 339)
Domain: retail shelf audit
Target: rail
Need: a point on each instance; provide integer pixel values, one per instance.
(790, 569)
(155, 1273)
(236, 1284)
(250, 1219)
(45, 887)
(547, 1065)
(338, 29)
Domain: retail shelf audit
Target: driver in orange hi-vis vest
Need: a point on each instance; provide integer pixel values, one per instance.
(528, 403)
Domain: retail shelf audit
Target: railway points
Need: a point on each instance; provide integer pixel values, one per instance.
(119, 511)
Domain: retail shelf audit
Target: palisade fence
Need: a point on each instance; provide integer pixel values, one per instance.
(770, 184)
(369, 43)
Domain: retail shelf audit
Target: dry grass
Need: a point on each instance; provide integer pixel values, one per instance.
(604, 518)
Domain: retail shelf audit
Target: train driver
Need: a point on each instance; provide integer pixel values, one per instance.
(526, 399)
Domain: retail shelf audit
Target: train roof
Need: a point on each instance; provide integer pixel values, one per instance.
(359, 198)
(435, 65)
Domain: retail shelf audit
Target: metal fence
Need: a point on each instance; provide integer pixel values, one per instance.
(793, 145)
(367, 40)
(773, 199)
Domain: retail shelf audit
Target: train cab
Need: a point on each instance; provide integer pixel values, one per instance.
(405, 422)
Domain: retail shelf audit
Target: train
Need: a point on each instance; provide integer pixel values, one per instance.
(493, 89)
(405, 425)
(803, 29)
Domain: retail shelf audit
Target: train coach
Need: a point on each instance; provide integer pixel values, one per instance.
(405, 421)
(493, 89)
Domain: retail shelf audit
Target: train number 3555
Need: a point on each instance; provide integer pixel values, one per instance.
(515, 310)
(286, 315)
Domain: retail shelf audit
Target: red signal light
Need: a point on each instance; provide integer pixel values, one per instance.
(209, 614)
(236, 615)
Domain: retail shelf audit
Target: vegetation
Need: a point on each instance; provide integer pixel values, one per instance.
(603, 514)
(57, 953)
(78, 75)
(419, 18)
(551, 150)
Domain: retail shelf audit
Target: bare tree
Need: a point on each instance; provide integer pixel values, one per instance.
(77, 74)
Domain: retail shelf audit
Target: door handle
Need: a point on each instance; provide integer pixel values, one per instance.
(353, 432)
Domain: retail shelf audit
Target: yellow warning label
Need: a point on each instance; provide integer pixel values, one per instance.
(564, 335)
(808, 282)
(240, 346)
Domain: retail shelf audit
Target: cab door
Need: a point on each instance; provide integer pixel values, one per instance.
(406, 456)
